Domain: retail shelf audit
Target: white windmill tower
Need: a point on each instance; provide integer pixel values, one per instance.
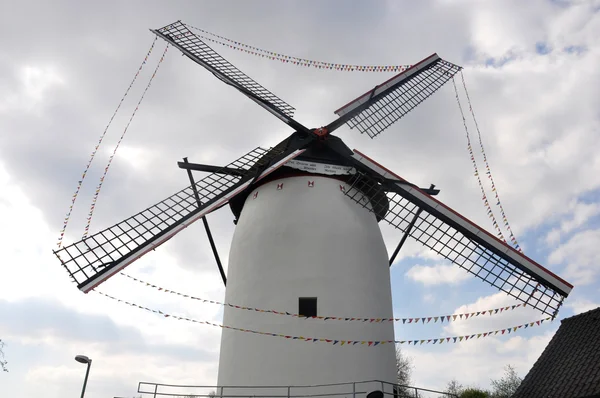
(307, 239)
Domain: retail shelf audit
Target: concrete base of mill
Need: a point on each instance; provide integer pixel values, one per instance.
(301, 237)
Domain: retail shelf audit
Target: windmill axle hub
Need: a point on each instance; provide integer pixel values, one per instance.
(321, 132)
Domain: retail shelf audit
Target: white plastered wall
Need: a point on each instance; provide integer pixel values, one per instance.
(306, 240)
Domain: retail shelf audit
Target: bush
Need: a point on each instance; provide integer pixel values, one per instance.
(474, 393)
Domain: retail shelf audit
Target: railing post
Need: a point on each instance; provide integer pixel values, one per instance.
(383, 388)
(155, 389)
(353, 389)
(416, 393)
(221, 394)
(289, 387)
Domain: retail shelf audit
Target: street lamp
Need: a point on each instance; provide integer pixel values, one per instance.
(84, 359)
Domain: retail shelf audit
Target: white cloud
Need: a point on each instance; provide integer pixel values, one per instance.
(486, 323)
(580, 255)
(27, 258)
(582, 305)
(34, 83)
(476, 362)
(437, 274)
(577, 214)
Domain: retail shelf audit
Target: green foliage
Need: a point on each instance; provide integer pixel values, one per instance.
(474, 393)
(404, 369)
(454, 387)
(506, 386)
(3, 363)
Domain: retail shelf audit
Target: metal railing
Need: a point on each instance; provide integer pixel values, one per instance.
(342, 390)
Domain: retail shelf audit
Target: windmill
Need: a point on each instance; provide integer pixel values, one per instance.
(307, 238)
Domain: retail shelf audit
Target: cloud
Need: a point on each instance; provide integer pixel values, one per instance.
(49, 322)
(64, 76)
(486, 323)
(578, 214)
(470, 360)
(33, 84)
(437, 274)
(122, 355)
(580, 256)
(582, 305)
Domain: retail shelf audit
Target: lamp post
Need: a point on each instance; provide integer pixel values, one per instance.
(88, 361)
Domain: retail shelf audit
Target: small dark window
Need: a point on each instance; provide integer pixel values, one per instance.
(307, 306)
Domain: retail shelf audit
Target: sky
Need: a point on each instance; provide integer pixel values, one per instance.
(532, 72)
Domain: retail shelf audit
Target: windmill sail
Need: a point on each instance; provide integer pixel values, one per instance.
(180, 36)
(462, 242)
(376, 110)
(96, 258)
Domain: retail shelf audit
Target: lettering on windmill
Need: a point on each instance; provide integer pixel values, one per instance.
(342, 188)
(311, 184)
(320, 168)
(255, 195)
(280, 186)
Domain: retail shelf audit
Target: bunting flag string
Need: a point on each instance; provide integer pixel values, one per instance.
(486, 203)
(112, 156)
(93, 155)
(512, 237)
(439, 340)
(295, 60)
(425, 319)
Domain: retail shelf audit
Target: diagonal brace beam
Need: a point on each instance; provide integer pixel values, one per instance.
(406, 233)
(205, 222)
(431, 190)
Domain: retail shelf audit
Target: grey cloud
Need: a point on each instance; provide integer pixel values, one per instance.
(38, 318)
(186, 111)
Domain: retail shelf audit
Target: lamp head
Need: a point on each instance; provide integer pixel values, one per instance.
(83, 359)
